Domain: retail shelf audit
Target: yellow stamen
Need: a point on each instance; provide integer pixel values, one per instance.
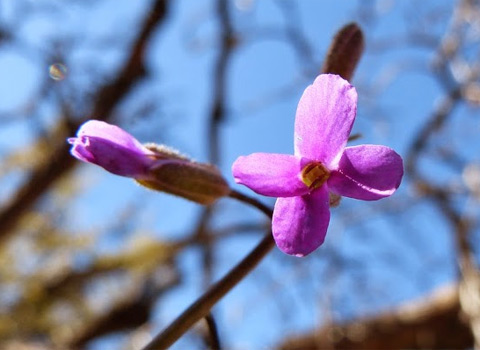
(314, 175)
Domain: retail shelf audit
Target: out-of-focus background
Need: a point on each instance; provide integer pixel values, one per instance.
(89, 260)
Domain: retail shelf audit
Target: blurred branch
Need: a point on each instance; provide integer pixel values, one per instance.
(294, 34)
(202, 306)
(431, 322)
(132, 313)
(441, 196)
(216, 116)
(430, 127)
(59, 161)
(217, 111)
(149, 264)
(213, 338)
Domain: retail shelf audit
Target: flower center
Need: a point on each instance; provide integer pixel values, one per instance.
(314, 175)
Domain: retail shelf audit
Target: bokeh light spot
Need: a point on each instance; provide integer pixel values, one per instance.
(57, 71)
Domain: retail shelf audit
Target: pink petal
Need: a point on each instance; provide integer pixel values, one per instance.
(113, 157)
(325, 116)
(111, 148)
(270, 174)
(300, 223)
(102, 130)
(367, 172)
(79, 150)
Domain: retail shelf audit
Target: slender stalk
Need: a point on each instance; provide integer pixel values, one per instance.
(201, 307)
(251, 201)
(213, 338)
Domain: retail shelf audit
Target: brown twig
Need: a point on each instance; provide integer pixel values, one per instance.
(217, 111)
(214, 339)
(216, 116)
(201, 307)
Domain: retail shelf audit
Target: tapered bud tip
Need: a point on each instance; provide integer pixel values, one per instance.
(110, 147)
(345, 51)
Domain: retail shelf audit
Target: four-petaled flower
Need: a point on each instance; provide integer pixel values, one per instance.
(321, 164)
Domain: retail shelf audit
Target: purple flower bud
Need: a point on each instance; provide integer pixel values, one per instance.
(156, 167)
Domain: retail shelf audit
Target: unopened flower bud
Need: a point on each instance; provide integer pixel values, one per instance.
(345, 51)
(156, 167)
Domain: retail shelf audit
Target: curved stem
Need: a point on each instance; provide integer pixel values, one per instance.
(214, 339)
(251, 201)
(201, 307)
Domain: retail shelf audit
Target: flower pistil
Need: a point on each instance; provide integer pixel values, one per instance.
(314, 175)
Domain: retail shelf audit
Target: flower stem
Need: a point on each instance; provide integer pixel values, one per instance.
(251, 201)
(201, 307)
(214, 339)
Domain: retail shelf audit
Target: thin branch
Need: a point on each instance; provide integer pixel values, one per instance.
(214, 339)
(426, 323)
(201, 307)
(217, 112)
(251, 201)
(216, 115)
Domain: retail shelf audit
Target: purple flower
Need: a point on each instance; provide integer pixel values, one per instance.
(112, 148)
(321, 164)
